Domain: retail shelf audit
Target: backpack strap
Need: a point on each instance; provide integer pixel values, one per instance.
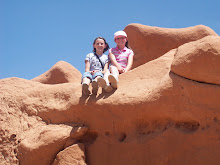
(99, 60)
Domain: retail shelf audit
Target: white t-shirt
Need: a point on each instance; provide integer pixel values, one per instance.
(94, 61)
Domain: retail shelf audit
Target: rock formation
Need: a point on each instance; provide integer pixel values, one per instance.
(199, 60)
(165, 110)
(150, 42)
(61, 72)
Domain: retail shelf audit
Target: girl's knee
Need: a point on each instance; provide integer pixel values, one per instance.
(113, 68)
(97, 77)
(86, 80)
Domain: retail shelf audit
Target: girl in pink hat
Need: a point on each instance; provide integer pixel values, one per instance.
(121, 60)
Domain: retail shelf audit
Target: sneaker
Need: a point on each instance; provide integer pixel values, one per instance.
(102, 82)
(85, 89)
(113, 81)
(108, 88)
(94, 87)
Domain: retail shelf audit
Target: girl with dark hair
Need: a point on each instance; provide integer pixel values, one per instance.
(96, 63)
(121, 58)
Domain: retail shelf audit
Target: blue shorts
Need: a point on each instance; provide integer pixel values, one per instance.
(90, 76)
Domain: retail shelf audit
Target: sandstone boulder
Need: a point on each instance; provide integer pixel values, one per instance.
(149, 43)
(61, 72)
(199, 60)
(41, 144)
(74, 154)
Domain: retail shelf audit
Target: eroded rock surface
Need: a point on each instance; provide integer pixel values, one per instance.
(160, 113)
(199, 60)
(149, 43)
(61, 72)
(74, 154)
(41, 144)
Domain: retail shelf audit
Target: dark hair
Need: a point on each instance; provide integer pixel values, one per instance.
(107, 46)
(126, 44)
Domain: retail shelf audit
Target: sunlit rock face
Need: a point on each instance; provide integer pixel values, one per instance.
(61, 72)
(149, 43)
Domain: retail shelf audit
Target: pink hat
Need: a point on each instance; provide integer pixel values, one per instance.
(120, 33)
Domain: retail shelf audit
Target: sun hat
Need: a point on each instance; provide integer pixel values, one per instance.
(120, 33)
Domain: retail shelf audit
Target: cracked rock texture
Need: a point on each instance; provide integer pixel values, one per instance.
(166, 110)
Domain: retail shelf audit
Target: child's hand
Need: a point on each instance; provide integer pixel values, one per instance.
(93, 72)
(120, 69)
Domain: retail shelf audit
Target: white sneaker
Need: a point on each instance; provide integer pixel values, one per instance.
(85, 89)
(94, 87)
(108, 88)
(102, 82)
(113, 81)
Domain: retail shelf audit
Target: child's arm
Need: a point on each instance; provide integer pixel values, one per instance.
(115, 63)
(105, 67)
(87, 66)
(130, 62)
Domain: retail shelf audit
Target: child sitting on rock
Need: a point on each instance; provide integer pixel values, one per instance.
(96, 64)
(121, 60)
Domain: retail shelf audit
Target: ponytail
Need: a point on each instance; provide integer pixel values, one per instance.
(126, 44)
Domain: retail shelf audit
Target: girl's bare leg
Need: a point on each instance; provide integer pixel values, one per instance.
(107, 73)
(95, 85)
(114, 71)
(85, 86)
(104, 83)
(113, 78)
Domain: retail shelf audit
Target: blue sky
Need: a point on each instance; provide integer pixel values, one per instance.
(35, 34)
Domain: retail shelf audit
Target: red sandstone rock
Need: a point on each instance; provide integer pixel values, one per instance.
(199, 60)
(71, 155)
(61, 72)
(149, 43)
(154, 117)
(41, 144)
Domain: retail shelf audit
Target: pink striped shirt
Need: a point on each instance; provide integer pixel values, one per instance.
(121, 55)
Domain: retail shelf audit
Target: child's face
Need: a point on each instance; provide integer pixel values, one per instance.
(121, 40)
(99, 45)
